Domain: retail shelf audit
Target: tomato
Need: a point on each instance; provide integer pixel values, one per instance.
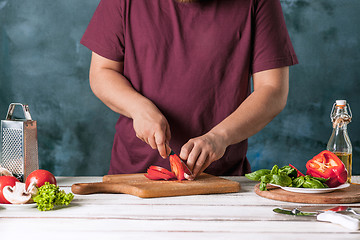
(159, 173)
(6, 181)
(40, 177)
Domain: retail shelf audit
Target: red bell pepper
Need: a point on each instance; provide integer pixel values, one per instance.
(178, 167)
(327, 165)
(298, 172)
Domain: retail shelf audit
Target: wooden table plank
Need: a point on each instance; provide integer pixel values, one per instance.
(91, 228)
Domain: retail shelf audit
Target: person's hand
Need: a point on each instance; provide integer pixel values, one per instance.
(152, 127)
(200, 152)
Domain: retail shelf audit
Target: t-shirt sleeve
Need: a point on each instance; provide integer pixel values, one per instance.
(105, 32)
(272, 45)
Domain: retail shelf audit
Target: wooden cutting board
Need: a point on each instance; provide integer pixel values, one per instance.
(139, 185)
(350, 194)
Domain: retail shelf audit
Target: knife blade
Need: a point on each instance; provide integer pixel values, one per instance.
(328, 216)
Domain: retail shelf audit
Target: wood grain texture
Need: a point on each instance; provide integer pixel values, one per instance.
(139, 185)
(346, 195)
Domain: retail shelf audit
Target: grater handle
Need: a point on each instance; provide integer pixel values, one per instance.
(25, 108)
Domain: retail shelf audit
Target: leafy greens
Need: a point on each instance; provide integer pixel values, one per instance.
(285, 177)
(50, 195)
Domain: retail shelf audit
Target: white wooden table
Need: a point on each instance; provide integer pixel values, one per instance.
(242, 215)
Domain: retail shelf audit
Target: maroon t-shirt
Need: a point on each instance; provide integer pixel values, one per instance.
(194, 61)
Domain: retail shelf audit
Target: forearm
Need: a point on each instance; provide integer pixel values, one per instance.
(256, 111)
(115, 91)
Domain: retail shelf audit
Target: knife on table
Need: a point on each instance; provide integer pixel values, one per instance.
(321, 215)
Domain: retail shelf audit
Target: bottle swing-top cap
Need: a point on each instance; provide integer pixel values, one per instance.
(340, 102)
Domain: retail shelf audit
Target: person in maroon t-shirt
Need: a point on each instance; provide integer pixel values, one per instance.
(178, 73)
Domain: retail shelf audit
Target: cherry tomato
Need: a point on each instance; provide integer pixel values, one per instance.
(40, 177)
(6, 181)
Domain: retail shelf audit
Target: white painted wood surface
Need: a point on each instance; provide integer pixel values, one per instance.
(242, 215)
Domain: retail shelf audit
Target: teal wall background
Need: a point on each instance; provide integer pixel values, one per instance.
(43, 64)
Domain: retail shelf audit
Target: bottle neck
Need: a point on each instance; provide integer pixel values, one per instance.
(340, 125)
(340, 116)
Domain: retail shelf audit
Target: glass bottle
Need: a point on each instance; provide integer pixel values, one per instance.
(339, 142)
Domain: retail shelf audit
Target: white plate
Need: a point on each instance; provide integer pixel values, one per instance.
(18, 206)
(313, 190)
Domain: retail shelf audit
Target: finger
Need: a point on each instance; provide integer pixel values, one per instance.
(167, 134)
(160, 144)
(167, 140)
(185, 150)
(207, 163)
(200, 163)
(151, 142)
(168, 149)
(193, 157)
(189, 177)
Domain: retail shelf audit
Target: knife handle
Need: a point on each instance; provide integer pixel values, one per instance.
(343, 220)
(97, 187)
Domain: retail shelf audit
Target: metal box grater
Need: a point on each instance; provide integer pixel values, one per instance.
(19, 144)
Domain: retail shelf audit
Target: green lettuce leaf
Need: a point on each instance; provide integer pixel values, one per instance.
(50, 195)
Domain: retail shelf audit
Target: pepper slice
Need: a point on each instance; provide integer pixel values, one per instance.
(159, 173)
(327, 165)
(177, 166)
(161, 170)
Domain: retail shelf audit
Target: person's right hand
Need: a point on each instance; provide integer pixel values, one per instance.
(152, 127)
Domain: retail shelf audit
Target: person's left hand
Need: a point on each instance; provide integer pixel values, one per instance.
(200, 152)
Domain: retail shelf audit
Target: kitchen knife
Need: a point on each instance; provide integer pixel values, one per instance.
(328, 216)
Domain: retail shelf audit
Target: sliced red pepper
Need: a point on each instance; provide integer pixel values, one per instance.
(152, 177)
(298, 172)
(162, 170)
(327, 165)
(159, 173)
(177, 166)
